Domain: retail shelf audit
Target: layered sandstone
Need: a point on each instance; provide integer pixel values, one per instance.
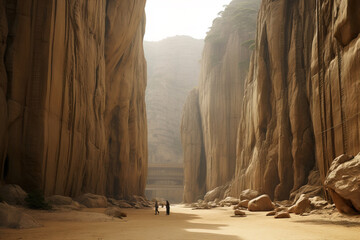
(74, 83)
(301, 99)
(304, 84)
(192, 143)
(224, 67)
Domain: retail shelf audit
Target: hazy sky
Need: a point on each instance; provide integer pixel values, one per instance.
(166, 18)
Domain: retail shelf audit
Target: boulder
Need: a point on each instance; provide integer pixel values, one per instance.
(343, 178)
(230, 200)
(249, 194)
(92, 201)
(115, 212)
(59, 200)
(119, 203)
(244, 203)
(12, 217)
(261, 203)
(213, 194)
(13, 194)
(318, 202)
(282, 215)
(239, 213)
(302, 205)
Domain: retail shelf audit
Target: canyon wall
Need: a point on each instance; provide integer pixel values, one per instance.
(224, 67)
(300, 106)
(304, 79)
(74, 83)
(173, 70)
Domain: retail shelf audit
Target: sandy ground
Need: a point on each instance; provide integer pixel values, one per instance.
(185, 223)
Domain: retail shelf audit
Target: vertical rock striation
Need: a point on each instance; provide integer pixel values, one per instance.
(225, 62)
(194, 156)
(304, 84)
(62, 59)
(301, 98)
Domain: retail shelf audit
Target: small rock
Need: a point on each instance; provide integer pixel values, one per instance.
(302, 205)
(239, 213)
(244, 203)
(272, 213)
(13, 194)
(261, 203)
(282, 215)
(230, 200)
(249, 194)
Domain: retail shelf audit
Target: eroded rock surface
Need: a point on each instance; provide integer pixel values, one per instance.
(72, 96)
(344, 181)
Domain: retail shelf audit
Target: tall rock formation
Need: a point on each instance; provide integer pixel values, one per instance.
(308, 101)
(301, 97)
(194, 155)
(173, 70)
(225, 61)
(73, 91)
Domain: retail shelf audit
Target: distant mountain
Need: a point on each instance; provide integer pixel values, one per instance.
(173, 70)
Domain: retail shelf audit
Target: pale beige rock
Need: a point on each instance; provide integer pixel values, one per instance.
(230, 200)
(249, 194)
(261, 203)
(13, 194)
(92, 200)
(302, 205)
(12, 217)
(344, 178)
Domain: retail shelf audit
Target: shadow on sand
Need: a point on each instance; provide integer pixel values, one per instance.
(330, 222)
(180, 226)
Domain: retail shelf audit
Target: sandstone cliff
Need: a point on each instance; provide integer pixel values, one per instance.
(225, 61)
(173, 70)
(301, 99)
(73, 89)
(304, 80)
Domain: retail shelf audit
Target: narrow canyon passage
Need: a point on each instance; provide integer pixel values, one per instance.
(185, 223)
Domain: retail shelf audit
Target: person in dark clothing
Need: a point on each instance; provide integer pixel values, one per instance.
(167, 208)
(156, 208)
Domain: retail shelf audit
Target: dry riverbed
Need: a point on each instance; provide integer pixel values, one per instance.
(185, 223)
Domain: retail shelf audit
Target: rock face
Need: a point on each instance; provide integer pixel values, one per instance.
(173, 70)
(301, 103)
(344, 181)
(72, 91)
(224, 63)
(194, 156)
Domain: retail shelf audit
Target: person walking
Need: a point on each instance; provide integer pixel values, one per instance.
(156, 208)
(167, 207)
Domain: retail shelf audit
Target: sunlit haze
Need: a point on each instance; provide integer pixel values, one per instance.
(166, 18)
